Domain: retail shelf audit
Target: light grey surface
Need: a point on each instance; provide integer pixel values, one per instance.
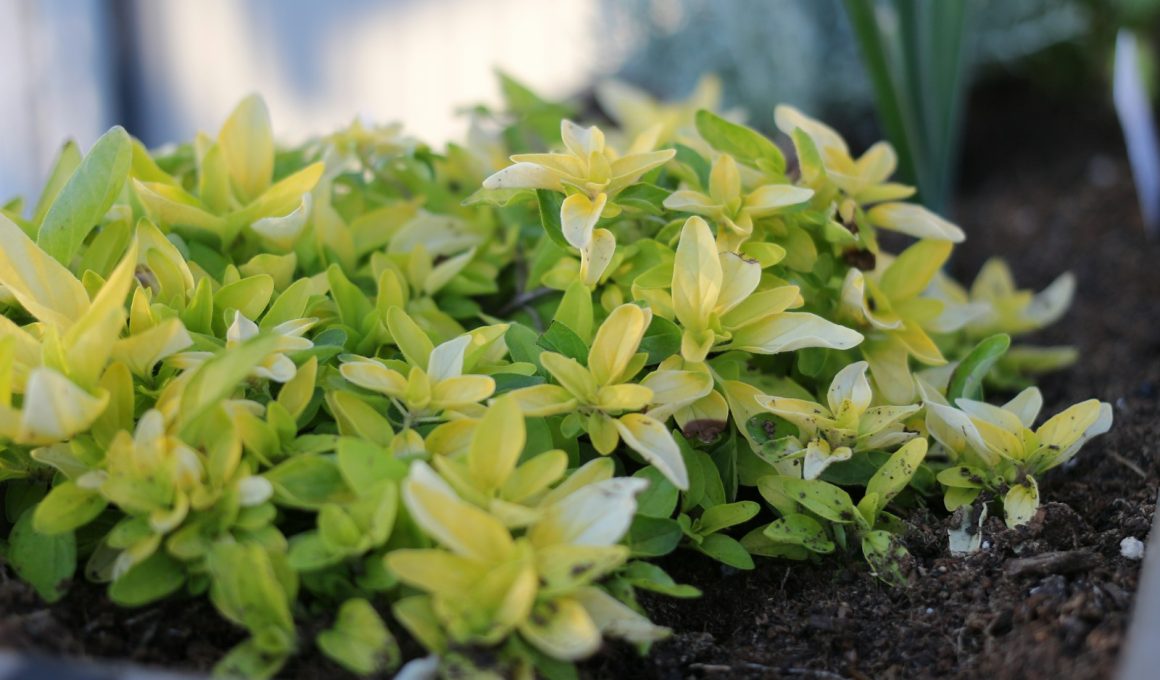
(1140, 658)
(46, 668)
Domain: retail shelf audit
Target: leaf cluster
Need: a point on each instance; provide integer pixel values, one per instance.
(368, 381)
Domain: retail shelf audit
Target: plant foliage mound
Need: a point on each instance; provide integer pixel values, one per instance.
(476, 390)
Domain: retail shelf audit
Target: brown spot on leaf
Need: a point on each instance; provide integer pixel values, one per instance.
(860, 259)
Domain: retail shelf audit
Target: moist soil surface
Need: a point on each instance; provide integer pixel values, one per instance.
(1047, 185)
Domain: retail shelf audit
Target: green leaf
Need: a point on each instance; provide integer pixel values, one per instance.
(704, 475)
(359, 640)
(307, 482)
(353, 304)
(364, 465)
(726, 549)
(801, 530)
(20, 494)
(308, 552)
(826, 500)
(963, 477)
(216, 379)
(967, 379)
(893, 477)
(726, 515)
(248, 296)
(575, 310)
(45, 562)
(662, 339)
(809, 158)
(289, 305)
(67, 161)
(550, 203)
(523, 344)
(149, 581)
(696, 163)
(653, 536)
(645, 197)
(338, 529)
(659, 499)
(67, 507)
(87, 196)
(506, 382)
(954, 498)
(757, 543)
(857, 471)
(887, 556)
(743, 143)
(249, 660)
(247, 588)
(563, 340)
(648, 576)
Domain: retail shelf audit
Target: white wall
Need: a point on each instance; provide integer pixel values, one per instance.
(54, 84)
(318, 64)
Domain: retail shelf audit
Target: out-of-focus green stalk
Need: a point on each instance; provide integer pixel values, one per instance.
(915, 55)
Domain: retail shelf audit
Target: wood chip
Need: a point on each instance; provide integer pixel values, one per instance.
(1061, 562)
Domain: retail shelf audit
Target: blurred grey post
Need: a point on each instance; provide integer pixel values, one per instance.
(1130, 93)
(1140, 658)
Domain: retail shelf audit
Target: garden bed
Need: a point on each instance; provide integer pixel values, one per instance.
(1048, 189)
(1051, 190)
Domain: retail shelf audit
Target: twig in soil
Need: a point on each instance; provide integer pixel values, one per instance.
(1060, 562)
(1128, 464)
(523, 300)
(710, 667)
(812, 673)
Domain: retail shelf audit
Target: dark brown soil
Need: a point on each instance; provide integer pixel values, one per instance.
(1047, 186)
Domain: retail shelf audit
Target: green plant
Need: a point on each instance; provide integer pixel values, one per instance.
(342, 382)
(916, 56)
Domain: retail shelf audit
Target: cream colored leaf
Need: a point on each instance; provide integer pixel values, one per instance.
(850, 384)
(497, 444)
(769, 199)
(461, 391)
(597, 513)
(539, 401)
(461, 527)
(616, 619)
(372, 375)
(247, 142)
(43, 286)
(55, 409)
(914, 220)
(1020, 503)
(562, 629)
(697, 275)
(653, 441)
(791, 331)
(616, 342)
(571, 375)
(595, 259)
(578, 217)
(446, 360)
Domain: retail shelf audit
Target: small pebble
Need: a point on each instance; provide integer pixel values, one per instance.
(1132, 548)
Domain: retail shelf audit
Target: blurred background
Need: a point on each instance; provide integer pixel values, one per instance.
(909, 69)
